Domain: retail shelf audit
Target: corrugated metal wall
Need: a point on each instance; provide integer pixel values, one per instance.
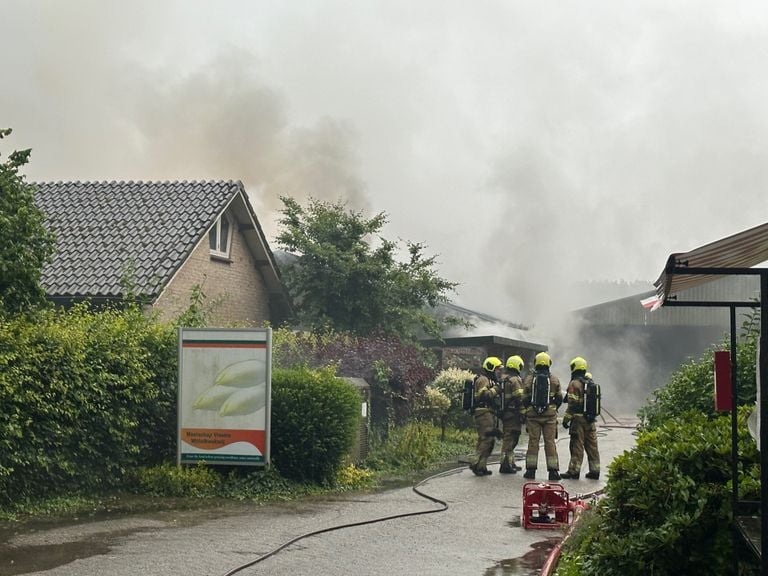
(629, 312)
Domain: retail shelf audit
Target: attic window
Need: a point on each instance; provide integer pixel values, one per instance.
(220, 237)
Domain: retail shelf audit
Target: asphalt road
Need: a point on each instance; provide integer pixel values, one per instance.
(479, 534)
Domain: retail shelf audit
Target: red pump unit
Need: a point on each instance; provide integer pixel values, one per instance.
(547, 506)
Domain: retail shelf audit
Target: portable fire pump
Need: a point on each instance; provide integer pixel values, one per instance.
(547, 505)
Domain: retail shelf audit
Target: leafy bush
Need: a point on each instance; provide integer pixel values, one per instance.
(432, 405)
(667, 504)
(451, 383)
(201, 481)
(172, 480)
(418, 446)
(353, 478)
(691, 386)
(80, 404)
(314, 419)
(243, 484)
(398, 372)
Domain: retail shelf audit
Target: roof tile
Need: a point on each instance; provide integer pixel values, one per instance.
(103, 228)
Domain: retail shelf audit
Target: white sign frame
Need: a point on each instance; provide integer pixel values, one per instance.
(225, 396)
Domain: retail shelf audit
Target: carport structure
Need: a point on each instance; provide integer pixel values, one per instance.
(734, 255)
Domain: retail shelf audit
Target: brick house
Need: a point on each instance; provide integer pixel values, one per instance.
(159, 240)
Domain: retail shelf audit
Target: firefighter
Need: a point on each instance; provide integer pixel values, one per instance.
(542, 398)
(511, 416)
(579, 420)
(486, 392)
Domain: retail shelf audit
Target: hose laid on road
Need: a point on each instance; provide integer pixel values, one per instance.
(415, 488)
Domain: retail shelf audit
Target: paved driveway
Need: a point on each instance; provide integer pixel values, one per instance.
(479, 534)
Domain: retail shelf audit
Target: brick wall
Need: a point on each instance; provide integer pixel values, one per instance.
(236, 283)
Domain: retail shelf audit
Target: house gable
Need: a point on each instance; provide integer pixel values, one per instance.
(141, 234)
(234, 287)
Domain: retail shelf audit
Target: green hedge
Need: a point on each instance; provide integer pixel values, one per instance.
(88, 396)
(667, 507)
(314, 418)
(79, 400)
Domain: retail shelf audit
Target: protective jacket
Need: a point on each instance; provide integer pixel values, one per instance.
(575, 396)
(583, 431)
(486, 391)
(513, 399)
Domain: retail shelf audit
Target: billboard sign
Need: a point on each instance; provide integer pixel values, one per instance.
(224, 396)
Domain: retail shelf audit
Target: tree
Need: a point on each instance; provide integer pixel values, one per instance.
(25, 245)
(341, 281)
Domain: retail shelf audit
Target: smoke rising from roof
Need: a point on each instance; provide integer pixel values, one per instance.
(532, 145)
(96, 113)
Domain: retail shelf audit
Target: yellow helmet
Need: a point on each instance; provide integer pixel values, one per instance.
(515, 363)
(491, 363)
(542, 359)
(588, 375)
(578, 363)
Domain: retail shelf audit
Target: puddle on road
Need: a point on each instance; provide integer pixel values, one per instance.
(527, 565)
(24, 559)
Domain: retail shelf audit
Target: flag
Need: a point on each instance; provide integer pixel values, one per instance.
(653, 302)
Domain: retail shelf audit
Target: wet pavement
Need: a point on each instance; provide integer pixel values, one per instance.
(479, 534)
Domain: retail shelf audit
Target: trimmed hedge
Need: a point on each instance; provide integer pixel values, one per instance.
(667, 507)
(314, 419)
(79, 400)
(87, 397)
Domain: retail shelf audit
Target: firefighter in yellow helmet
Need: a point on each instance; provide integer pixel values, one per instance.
(579, 419)
(486, 393)
(511, 414)
(542, 398)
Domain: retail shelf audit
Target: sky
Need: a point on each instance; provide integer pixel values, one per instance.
(530, 145)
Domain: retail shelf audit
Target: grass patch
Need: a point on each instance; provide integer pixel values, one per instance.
(417, 447)
(409, 450)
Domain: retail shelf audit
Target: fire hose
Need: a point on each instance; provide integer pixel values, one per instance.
(415, 488)
(546, 570)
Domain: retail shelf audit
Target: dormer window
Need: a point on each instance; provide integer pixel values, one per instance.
(220, 237)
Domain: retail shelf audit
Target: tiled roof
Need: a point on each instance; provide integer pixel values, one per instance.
(104, 229)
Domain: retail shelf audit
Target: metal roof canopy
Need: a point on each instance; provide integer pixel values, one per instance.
(469, 341)
(733, 255)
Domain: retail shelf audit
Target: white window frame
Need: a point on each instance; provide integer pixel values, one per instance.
(216, 228)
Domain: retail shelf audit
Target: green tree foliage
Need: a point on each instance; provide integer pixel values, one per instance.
(342, 281)
(398, 371)
(25, 245)
(314, 419)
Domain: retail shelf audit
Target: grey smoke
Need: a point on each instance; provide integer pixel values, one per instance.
(530, 144)
(92, 110)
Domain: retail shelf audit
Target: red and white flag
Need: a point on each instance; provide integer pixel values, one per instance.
(653, 302)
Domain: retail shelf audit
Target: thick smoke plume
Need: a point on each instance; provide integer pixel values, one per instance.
(532, 145)
(96, 113)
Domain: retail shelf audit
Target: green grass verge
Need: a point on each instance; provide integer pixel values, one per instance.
(408, 452)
